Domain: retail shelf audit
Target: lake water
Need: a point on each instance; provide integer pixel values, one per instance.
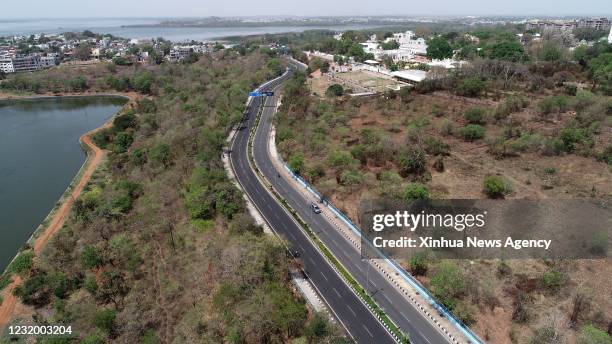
(39, 156)
(10, 27)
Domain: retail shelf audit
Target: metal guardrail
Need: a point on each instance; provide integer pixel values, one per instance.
(408, 278)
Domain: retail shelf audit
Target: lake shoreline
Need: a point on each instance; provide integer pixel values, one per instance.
(55, 219)
(7, 97)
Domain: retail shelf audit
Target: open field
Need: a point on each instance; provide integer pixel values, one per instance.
(354, 82)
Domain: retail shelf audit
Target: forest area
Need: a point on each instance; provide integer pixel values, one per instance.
(160, 248)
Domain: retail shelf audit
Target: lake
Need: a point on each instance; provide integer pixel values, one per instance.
(39, 156)
(116, 26)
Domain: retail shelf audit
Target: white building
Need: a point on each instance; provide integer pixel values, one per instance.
(610, 36)
(412, 76)
(6, 65)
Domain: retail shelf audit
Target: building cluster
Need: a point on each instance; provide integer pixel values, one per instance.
(31, 53)
(563, 25)
(410, 47)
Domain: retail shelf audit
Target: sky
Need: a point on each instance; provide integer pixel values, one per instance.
(202, 8)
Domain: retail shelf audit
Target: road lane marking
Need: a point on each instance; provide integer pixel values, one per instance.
(352, 311)
(386, 298)
(423, 336)
(368, 331)
(322, 274)
(337, 293)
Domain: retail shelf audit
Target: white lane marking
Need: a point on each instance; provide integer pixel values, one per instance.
(422, 336)
(312, 261)
(334, 241)
(405, 317)
(386, 298)
(368, 331)
(322, 274)
(337, 293)
(352, 311)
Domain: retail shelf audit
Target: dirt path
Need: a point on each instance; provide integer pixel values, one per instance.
(95, 156)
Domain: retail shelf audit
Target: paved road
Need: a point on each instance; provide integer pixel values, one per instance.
(403, 313)
(348, 308)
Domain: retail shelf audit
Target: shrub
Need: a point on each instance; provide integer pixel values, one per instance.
(143, 82)
(334, 90)
(475, 115)
(348, 178)
(296, 162)
(146, 105)
(510, 105)
(340, 159)
(550, 170)
(471, 87)
(434, 146)
(571, 136)
(553, 104)
(105, 320)
(412, 160)
(495, 186)
(414, 191)
(78, 84)
(553, 280)
(605, 155)
(125, 121)
(35, 290)
(160, 154)
(91, 257)
(122, 142)
(472, 132)
(448, 283)
(419, 263)
(446, 128)
(590, 334)
(22, 263)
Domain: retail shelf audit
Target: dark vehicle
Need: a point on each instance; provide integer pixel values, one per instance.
(315, 208)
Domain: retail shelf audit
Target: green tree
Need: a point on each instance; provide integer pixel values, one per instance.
(448, 283)
(143, 82)
(296, 162)
(78, 84)
(91, 257)
(509, 50)
(391, 45)
(334, 90)
(471, 87)
(601, 69)
(439, 49)
(105, 320)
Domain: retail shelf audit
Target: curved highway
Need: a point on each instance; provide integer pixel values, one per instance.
(353, 314)
(356, 318)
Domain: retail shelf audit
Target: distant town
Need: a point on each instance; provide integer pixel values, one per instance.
(41, 51)
(390, 55)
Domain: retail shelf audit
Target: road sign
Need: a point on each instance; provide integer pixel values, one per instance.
(255, 94)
